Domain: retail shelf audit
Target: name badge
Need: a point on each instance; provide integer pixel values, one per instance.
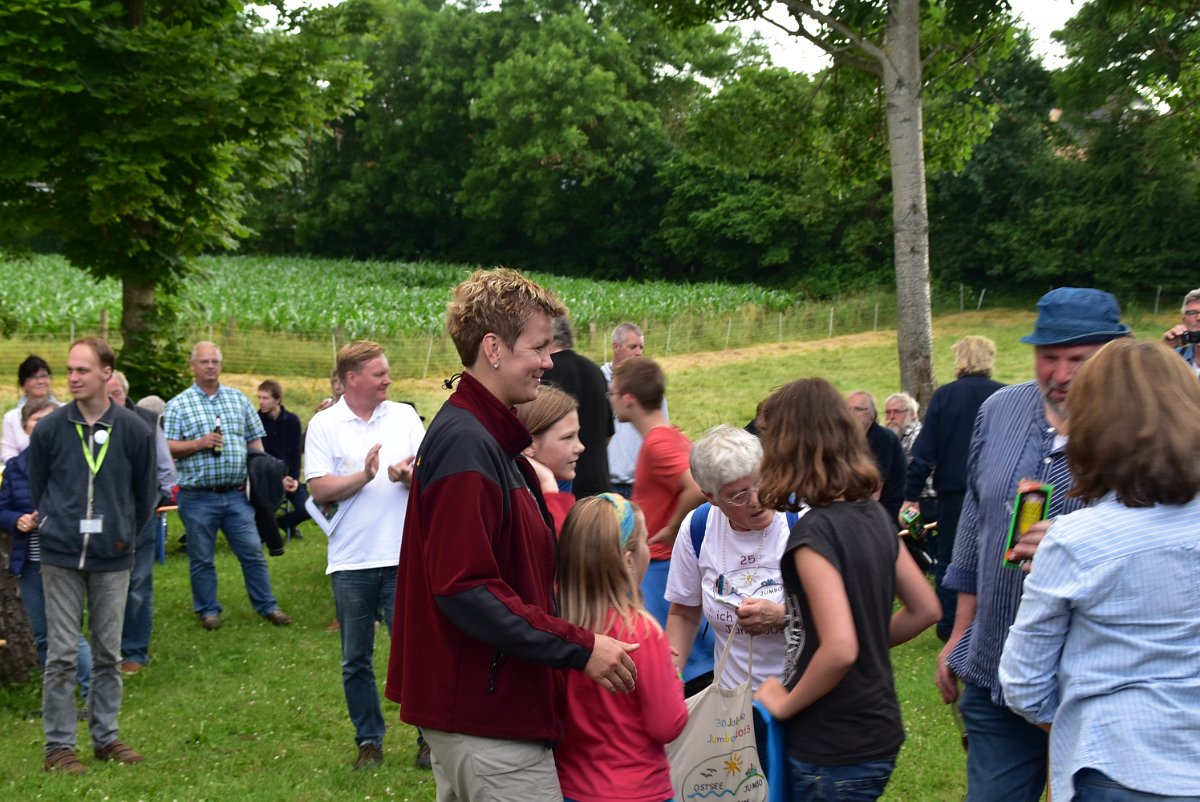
(91, 526)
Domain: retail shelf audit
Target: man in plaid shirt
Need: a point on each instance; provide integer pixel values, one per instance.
(209, 428)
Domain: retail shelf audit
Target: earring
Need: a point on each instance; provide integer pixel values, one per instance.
(495, 366)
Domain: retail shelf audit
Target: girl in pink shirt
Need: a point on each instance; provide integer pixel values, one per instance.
(614, 748)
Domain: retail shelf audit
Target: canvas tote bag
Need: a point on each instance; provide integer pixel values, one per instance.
(716, 756)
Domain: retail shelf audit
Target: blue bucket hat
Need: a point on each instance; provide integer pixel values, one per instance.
(1077, 316)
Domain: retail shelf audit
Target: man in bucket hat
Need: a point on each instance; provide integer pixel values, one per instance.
(1021, 433)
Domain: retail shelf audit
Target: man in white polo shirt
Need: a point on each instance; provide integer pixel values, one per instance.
(364, 510)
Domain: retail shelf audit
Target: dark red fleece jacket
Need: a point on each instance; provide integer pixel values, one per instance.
(476, 646)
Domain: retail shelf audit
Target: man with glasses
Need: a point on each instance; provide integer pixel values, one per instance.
(209, 428)
(885, 446)
(1184, 336)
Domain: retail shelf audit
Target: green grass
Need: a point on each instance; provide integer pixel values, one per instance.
(256, 712)
(250, 711)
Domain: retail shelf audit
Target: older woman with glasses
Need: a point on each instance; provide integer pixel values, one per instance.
(725, 565)
(33, 377)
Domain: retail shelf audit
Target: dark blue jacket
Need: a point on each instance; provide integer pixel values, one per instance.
(15, 501)
(283, 440)
(889, 456)
(945, 437)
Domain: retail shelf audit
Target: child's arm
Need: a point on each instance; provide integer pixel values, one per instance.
(920, 606)
(683, 622)
(837, 647)
(659, 689)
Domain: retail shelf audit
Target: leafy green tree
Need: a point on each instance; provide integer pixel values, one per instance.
(137, 130)
(531, 132)
(884, 39)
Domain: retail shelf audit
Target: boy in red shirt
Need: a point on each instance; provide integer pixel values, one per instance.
(663, 487)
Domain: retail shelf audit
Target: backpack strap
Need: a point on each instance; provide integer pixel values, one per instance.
(699, 524)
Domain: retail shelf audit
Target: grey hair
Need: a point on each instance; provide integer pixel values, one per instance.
(124, 382)
(1191, 297)
(196, 348)
(563, 336)
(153, 403)
(723, 455)
(909, 402)
(625, 328)
(870, 402)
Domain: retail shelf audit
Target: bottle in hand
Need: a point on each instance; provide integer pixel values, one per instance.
(217, 430)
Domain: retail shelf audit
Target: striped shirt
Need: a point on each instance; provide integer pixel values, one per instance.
(1107, 647)
(193, 414)
(1012, 441)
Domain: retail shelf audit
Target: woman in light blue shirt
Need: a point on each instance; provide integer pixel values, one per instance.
(1106, 644)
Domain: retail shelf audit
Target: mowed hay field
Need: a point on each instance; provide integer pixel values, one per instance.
(255, 712)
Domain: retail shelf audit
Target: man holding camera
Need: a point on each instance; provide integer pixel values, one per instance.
(1183, 337)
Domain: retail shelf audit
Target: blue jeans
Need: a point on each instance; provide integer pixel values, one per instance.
(654, 589)
(139, 604)
(34, 598)
(1096, 786)
(203, 512)
(857, 782)
(363, 597)
(1007, 758)
(65, 589)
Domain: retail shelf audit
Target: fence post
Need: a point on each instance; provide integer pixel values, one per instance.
(961, 296)
(876, 328)
(728, 331)
(669, 327)
(428, 355)
(781, 327)
(1157, 298)
(831, 322)
(981, 294)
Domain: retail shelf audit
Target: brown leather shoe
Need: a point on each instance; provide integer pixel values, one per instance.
(117, 750)
(130, 667)
(210, 622)
(64, 760)
(369, 756)
(279, 618)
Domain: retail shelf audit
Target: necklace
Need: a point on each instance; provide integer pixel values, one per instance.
(725, 582)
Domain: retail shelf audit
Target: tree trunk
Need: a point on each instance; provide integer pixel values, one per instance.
(137, 309)
(18, 657)
(910, 213)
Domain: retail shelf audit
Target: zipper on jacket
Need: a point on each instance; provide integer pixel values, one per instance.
(496, 661)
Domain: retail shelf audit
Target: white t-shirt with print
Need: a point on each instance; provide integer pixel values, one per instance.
(747, 572)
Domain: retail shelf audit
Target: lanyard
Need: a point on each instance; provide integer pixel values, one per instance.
(94, 462)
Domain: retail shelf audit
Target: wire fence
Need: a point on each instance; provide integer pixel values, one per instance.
(252, 350)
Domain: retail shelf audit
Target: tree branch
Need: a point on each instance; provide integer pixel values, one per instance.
(858, 40)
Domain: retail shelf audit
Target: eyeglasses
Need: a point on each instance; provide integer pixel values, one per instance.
(890, 412)
(742, 498)
(42, 375)
(860, 409)
(1191, 313)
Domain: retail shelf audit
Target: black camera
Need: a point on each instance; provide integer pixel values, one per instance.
(1189, 337)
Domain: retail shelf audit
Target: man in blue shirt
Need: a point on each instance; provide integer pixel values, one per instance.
(1021, 433)
(209, 427)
